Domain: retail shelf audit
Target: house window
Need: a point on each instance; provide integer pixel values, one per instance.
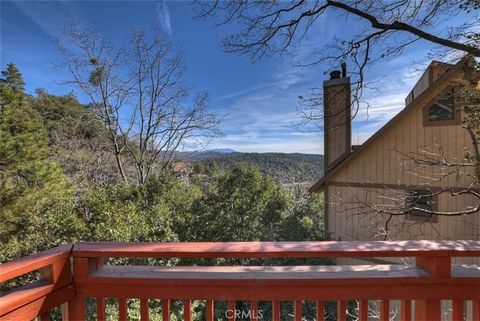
(420, 199)
(442, 109)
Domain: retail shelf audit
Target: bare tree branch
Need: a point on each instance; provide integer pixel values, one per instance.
(139, 94)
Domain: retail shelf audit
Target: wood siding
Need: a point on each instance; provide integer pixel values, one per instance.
(382, 172)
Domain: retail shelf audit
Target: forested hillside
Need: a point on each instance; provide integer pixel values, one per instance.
(65, 176)
(284, 168)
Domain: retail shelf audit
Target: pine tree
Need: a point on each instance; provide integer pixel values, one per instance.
(13, 79)
(36, 202)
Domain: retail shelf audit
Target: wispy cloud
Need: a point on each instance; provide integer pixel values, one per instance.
(397, 78)
(40, 14)
(264, 115)
(49, 16)
(164, 17)
(261, 116)
(294, 144)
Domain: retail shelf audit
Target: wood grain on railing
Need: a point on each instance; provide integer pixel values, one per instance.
(429, 280)
(279, 249)
(34, 262)
(55, 286)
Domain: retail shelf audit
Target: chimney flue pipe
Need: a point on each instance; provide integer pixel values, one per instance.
(344, 69)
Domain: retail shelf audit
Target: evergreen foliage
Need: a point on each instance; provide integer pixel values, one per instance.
(284, 168)
(58, 186)
(36, 202)
(245, 205)
(13, 79)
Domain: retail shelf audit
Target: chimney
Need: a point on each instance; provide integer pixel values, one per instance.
(337, 117)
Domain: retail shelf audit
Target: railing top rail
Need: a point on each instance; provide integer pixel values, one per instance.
(279, 249)
(34, 262)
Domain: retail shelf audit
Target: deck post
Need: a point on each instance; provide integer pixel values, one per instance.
(76, 306)
(76, 309)
(437, 266)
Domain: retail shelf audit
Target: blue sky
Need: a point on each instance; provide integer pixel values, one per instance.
(258, 100)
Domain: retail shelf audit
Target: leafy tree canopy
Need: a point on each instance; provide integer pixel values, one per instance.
(36, 203)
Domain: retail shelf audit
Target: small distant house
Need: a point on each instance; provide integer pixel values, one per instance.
(363, 185)
(182, 170)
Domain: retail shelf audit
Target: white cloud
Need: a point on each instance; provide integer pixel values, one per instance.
(400, 75)
(245, 143)
(260, 113)
(164, 16)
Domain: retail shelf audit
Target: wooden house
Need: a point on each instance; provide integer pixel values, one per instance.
(408, 180)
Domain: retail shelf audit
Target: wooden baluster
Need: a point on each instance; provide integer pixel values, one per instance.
(276, 311)
(232, 311)
(406, 310)
(363, 310)
(144, 310)
(187, 310)
(320, 311)
(342, 310)
(101, 309)
(457, 310)
(297, 311)
(209, 310)
(254, 310)
(122, 309)
(64, 311)
(165, 310)
(427, 310)
(385, 310)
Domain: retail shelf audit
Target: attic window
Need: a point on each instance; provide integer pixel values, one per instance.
(442, 109)
(419, 200)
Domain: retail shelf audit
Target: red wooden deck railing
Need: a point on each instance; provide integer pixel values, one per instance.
(71, 273)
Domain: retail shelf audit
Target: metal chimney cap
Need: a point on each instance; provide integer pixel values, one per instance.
(335, 74)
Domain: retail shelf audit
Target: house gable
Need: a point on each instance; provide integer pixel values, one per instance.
(392, 135)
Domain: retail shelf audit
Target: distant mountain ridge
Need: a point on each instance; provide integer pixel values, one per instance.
(204, 154)
(286, 168)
